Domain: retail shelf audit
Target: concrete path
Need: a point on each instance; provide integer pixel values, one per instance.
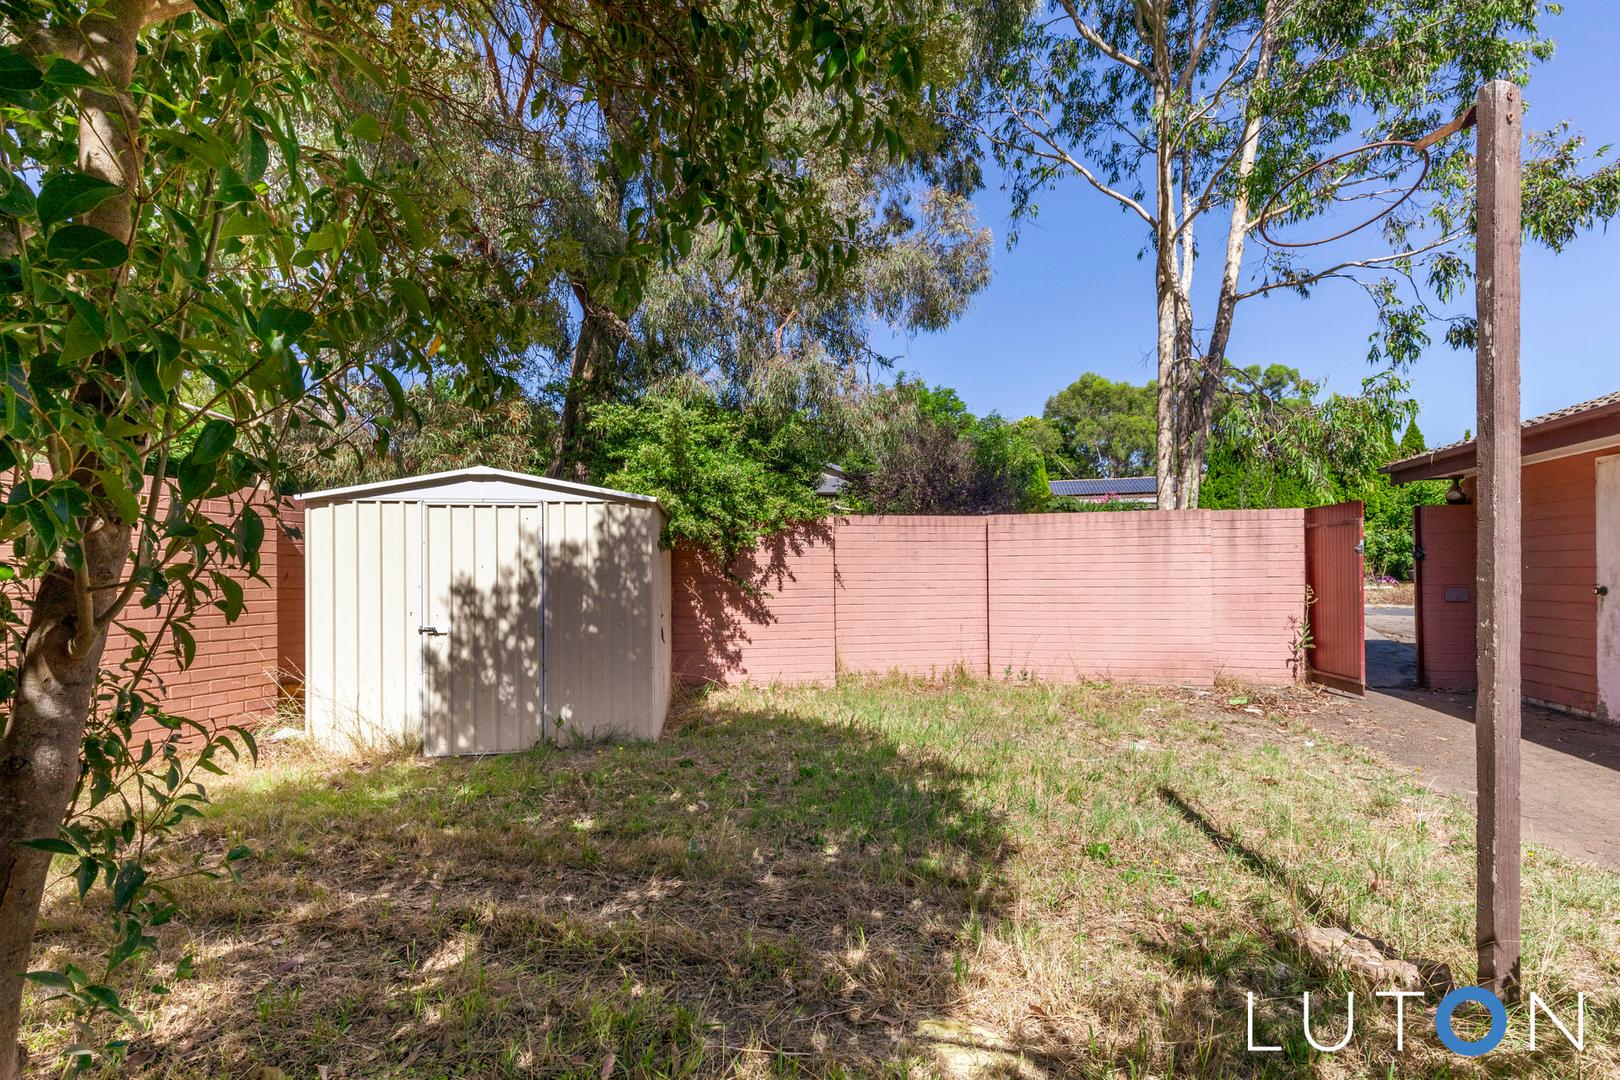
(1571, 766)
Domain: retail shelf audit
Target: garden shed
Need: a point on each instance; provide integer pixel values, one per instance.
(484, 611)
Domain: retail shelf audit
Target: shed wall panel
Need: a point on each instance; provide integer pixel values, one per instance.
(605, 655)
(362, 646)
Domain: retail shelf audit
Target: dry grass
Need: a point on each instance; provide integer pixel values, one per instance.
(1394, 593)
(881, 879)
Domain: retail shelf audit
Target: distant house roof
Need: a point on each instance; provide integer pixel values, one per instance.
(1575, 429)
(1115, 485)
(832, 482)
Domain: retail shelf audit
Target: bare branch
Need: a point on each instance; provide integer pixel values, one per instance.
(1058, 154)
(1337, 270)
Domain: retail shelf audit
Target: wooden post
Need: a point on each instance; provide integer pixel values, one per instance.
(1499, 114)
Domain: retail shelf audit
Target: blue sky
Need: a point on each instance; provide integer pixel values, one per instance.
(1072, 295)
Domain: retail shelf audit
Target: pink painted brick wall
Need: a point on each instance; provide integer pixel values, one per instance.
(779, 630)
(1104, 595)
(1144, 595)
(911, 595)
(236, 674)
(1257, 593)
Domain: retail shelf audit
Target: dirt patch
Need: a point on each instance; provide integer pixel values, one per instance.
(1383, 592)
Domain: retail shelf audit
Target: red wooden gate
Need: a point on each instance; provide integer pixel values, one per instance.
(1334, 572)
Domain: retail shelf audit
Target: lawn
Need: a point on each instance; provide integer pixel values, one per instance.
(887, 878)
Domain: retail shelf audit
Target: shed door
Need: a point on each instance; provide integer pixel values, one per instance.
(1608, 586)
(1334, 572)
(482, 648)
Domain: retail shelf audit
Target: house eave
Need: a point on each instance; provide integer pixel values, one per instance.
(1564, 436)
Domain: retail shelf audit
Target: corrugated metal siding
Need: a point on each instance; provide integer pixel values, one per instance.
(482, 680)
(911, 595)
(558, 611)
(363, 652)
(607, 666)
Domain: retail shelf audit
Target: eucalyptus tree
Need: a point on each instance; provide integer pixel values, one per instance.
(1197, 119)
(219, 219)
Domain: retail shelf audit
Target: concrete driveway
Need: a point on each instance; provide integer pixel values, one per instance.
(1571, 766)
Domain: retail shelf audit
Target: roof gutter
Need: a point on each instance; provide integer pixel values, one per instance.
(1560, 436)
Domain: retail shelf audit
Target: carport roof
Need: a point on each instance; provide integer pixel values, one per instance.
(427, 482)
(1575, 429)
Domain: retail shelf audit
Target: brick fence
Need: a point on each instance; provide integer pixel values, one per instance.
(1187, 596)
(240, 669)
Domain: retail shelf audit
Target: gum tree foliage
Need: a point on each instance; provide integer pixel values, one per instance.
(725, 475)
(1106, 426)
(620, 306)
(221, 220)
(1389, 531)
(923, 452)
(1192, 117)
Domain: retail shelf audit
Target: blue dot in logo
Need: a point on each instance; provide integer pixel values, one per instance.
(1479, 996)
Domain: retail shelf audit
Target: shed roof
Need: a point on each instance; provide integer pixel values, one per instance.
(496, 481)
(1116, 485)
(1574, 429)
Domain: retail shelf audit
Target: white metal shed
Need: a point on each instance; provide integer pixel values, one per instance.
(484, 611)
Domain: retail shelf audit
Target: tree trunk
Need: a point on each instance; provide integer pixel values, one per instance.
(581, 377)
(1164, 282)
(39, 758)
(1205, 384)
(40, 747)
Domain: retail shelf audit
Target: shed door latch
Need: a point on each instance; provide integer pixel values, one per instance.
(433, 631)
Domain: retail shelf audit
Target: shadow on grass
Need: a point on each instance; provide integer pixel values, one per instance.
(1226, 967)
(759, 887)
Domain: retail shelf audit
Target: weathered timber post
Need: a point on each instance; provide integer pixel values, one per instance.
(1499, 113)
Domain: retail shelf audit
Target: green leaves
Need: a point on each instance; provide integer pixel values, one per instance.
(85, 247)
(17, 74)
(67, 195)
(216, 438)
(52, 844)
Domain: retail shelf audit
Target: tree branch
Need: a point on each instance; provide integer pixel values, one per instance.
(1097, 42)
(1337, 270)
